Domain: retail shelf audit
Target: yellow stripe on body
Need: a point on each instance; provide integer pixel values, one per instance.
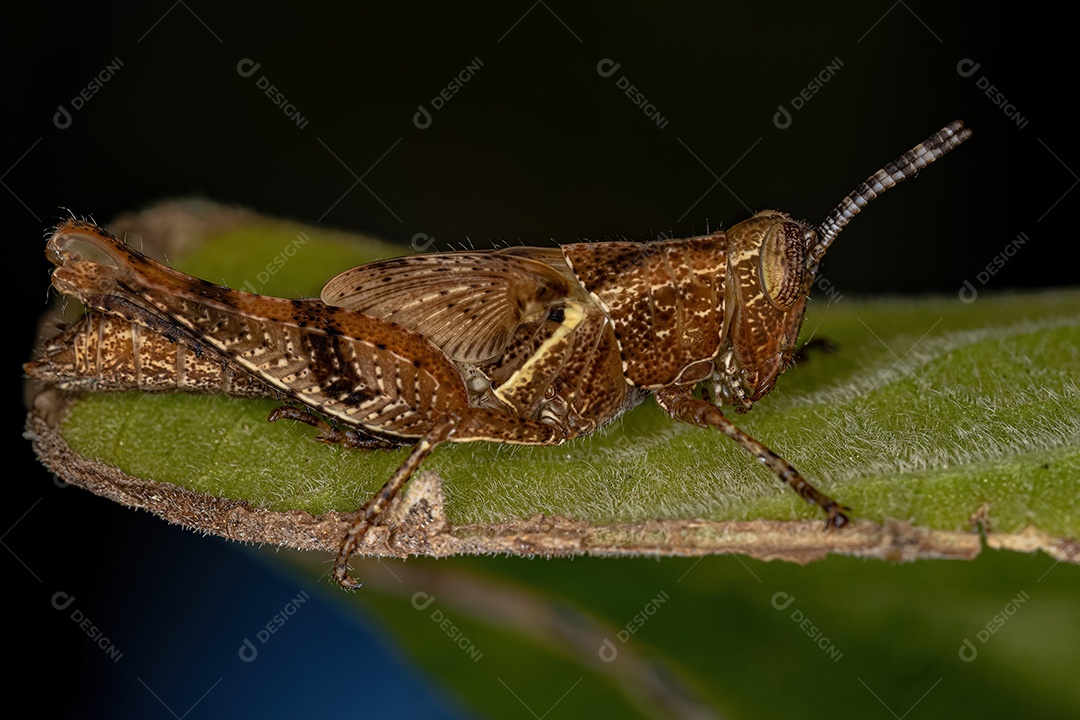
(573, 313)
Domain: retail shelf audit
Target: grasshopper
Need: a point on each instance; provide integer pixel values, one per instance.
(521, 345)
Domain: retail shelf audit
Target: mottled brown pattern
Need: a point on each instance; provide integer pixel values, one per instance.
(663, 301)
(292, 345)
(101, 353)
(523, 345)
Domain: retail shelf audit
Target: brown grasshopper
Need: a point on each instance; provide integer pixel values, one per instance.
(521, 345)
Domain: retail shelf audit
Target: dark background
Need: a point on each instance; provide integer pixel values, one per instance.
(536, 148)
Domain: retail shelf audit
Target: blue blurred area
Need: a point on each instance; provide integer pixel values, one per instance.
(199, 627)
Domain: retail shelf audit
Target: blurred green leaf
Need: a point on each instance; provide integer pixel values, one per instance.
(735, 637)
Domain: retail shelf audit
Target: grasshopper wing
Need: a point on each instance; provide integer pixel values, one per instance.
(467, 303)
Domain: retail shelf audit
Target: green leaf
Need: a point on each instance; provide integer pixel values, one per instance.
(932, 414)
(734, 637)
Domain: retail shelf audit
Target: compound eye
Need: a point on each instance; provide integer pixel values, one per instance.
(782, 260)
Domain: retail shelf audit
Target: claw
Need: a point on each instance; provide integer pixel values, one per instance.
(328, 434)
(345, 580)
(837, 516)
(341, 564)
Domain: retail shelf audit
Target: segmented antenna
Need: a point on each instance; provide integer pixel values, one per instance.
(903, 167)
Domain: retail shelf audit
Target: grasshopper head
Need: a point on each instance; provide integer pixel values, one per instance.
(773, 262)
(766, 288)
